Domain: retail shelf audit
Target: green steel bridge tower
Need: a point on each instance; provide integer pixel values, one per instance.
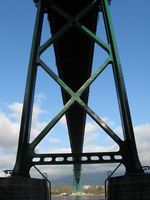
(73, 26)
(77, 186)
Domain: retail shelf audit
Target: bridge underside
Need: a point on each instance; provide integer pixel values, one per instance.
(74, 55)
(73, 26)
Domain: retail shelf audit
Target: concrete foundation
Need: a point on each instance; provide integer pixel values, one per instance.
(23, 189)
(129, 187)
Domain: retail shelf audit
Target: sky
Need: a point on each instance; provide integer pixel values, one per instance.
(132, 31)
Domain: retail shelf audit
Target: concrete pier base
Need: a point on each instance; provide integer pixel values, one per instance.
(129, 187)
(23, 189)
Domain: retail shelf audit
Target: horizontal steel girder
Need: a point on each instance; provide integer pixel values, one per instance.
(127, 154)
(79, 158)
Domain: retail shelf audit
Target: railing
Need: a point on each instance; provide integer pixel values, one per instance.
(45, 179)
(110, 176)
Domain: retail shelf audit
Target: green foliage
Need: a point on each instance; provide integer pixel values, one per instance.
(95, 190)
(59, 189)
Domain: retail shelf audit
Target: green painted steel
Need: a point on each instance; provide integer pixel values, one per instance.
(127, 154)
(77, 181)
(129, 148)
(23, 162)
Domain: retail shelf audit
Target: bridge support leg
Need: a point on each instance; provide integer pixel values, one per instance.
(77, 181)
(23, 161)
(131, 159)
(129, 187)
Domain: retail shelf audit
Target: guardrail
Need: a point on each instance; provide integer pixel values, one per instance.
(109, 178)
(45, 179)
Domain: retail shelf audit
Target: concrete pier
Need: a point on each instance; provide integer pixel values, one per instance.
(23, 188)
(129, 187)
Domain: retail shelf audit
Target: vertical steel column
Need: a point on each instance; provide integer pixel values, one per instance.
(77, 185)
(130, 150)
(127, 149)
(21, 167)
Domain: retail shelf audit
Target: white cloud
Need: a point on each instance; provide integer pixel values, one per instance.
(104, 168)
(54, 172)
(96, 148)
(118, 131)
(94, 133)
(7, 161)
(9, 134)
(145, 129)
(91, 127)
(61, 150)
(142, 136)
(63, 121)
(108, 122)
(91, 137)
(40, 149)
(40, 97)
(54, 140)
(16, 109)
(36, 125)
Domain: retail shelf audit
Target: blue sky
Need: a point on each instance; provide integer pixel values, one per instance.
(132, 30)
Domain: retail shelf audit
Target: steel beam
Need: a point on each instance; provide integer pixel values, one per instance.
(127, 153)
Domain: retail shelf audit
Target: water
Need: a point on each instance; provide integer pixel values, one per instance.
(86, 197)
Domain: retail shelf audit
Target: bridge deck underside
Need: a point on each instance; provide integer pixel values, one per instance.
(74, 56)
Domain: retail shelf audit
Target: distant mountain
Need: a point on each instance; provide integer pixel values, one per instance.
(67, 180)
(88, 179)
